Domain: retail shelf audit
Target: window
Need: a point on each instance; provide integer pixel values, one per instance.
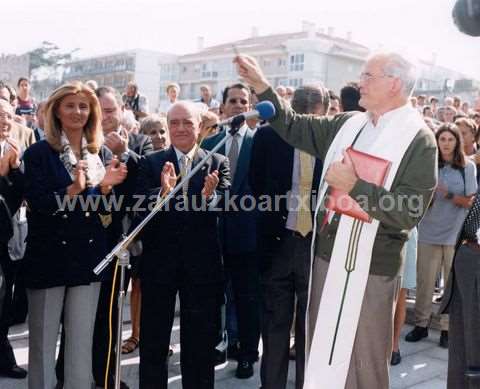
(208, 70)
(296, 62)
(295, 82)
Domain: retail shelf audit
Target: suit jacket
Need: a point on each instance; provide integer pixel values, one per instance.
(139, 146)
(63, 244)
(11, 192)
(271, 170)
(178, 243)
(23, 135)
(237, 227)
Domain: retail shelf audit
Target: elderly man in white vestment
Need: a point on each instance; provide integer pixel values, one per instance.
(356, 266)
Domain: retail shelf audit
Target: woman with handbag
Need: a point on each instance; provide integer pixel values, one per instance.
(64, 175)
(11, 194)
(439, 229)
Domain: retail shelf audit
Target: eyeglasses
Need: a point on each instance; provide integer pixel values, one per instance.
(366, 76)
(5, 116)
(176, 123)
(235, 101)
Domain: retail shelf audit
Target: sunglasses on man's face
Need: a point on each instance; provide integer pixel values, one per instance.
(235, 101)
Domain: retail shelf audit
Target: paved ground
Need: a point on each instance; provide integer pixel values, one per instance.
(424, 365)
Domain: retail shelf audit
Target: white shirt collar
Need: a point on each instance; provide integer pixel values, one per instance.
(387, 116)
(241, 131)
(180, 154)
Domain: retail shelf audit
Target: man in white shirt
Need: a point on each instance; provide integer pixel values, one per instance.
(238, 236)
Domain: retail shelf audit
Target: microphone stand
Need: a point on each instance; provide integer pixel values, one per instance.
(121, 249)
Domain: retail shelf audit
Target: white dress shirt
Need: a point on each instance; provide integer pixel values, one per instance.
(371, 132)
(240, 137)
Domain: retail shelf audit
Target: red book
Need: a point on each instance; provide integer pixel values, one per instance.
(370, 169)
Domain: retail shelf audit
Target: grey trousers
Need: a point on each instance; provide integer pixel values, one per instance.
(430, 260)
(79, 305)
(464, 308)
(372, 348)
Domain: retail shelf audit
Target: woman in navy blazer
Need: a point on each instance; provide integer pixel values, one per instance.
(65, 242)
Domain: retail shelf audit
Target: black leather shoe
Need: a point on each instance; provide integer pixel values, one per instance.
(220, 357)
(443, 339)
(396, 358)
(244, 370)
(416, 334)
(473, 374)
(13, 372)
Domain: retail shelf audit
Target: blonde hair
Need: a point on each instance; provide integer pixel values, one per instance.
(93, 129)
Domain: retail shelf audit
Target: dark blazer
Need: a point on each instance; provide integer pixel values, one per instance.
(63, 245)
(139, 145)
(237, 227)
(11, 195)
(177, 242)
(271, 175)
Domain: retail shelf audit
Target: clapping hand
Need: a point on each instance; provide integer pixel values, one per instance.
(13, 153)
(115, 174)
(168, 178)
(211, 182)
(117, 142)
(11, 158)
(79, 179)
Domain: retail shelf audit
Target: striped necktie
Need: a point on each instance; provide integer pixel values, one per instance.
(233, 155)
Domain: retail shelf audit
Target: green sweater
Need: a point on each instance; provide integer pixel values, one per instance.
(416, 178)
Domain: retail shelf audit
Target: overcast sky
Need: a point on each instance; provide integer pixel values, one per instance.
(421, 27)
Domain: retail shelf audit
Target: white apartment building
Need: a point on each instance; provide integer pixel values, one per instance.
(306, 57)
(117, 69)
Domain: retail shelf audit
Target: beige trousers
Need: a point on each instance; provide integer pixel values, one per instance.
(430, 260)
(372, 348)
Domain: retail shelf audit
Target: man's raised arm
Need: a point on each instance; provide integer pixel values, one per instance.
(309, 133)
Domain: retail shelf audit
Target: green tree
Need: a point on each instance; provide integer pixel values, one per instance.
(48, 60)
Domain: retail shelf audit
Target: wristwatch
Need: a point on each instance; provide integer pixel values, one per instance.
(449, 195)
(124, 157)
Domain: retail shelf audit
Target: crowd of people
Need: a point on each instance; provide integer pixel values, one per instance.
(242, 273)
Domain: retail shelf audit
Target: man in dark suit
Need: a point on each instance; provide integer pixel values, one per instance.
(181, 253)
(284, 234)
(238, 231)
(129, 148)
